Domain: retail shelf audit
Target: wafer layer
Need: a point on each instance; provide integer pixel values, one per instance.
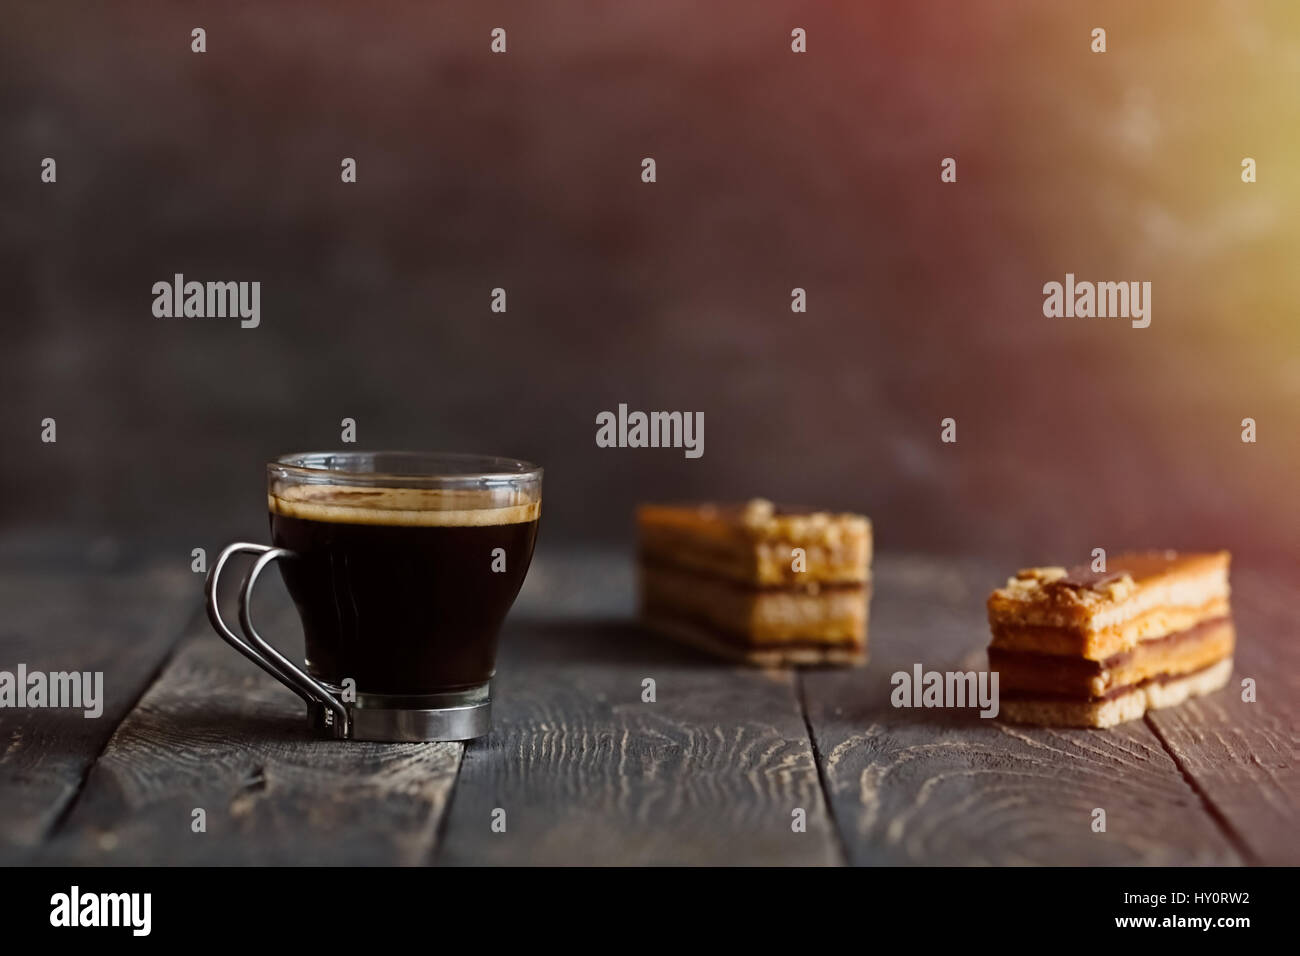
(753, 543)
(709, 639)
(834, 614)
(1133, 703)
(1141, 597)
(1081, 648)
(1055, 674)
(753, 581)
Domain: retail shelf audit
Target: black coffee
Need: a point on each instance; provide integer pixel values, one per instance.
(397, 590)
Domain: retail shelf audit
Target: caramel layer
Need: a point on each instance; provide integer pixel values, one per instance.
(837, 615)
(1131, 704)
(1050, 676)
(661, 615)
(655, 563)
(1153, 625)
(1111, 694)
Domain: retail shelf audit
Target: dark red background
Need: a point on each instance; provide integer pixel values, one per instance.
(775, 170)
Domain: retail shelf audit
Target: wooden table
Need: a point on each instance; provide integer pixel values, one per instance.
(711, 772)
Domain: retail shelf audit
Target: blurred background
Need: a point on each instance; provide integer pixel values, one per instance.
(775, 170)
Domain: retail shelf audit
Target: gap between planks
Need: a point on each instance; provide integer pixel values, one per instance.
(1220, 819)
(155, 675)
(444, 819)
(841, 845)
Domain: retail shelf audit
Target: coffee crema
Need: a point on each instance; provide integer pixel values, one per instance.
(403, 590)
(470, 507)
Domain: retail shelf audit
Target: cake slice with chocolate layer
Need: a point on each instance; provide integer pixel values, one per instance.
(1082, 649)
(766, 585)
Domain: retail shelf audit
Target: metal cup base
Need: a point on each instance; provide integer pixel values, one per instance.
(392, 719)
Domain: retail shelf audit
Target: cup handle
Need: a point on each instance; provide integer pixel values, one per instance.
(324, 709)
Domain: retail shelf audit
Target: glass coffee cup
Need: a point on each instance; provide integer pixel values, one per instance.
(403, 566)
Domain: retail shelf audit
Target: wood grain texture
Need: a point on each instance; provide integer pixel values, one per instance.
(911, 786)
(1241, 757)
(123, 623)
(216, 733)
(589, 774)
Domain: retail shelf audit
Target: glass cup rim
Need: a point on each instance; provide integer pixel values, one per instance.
(421, 468)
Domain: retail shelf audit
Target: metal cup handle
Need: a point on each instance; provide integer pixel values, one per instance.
(324, 709)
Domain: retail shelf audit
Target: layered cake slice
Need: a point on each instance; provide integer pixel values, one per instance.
(1084, 649)
(766, 585)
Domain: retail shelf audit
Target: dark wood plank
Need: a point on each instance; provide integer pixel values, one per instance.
(214, 732)
(123, 623)
(928, 786)
(589, 774)
(1241, 757)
